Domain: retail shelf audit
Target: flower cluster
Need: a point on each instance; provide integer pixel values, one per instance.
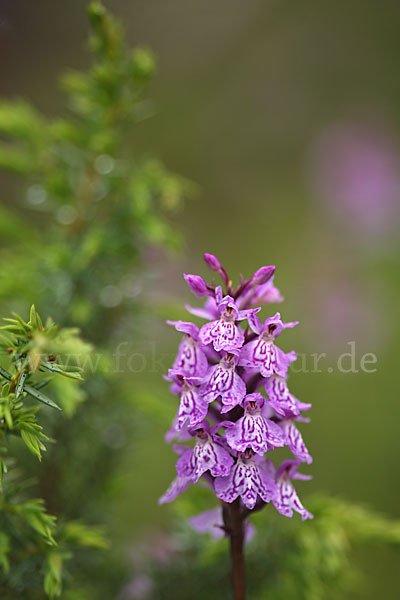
(218, 374)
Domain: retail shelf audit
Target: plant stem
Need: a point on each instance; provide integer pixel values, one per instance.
(234, 524)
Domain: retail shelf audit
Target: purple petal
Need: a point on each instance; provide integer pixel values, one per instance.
(192, 407)
(246, 480)
(249, 532)
(289, 467)
(191, 360)
(290, 357)
(295, 441)
(223, 460)
(303, 405)
(267, 411)
(267, 466)
(256, 398)
(179, 485)
(262, 294)
(274, 435)
(186, 327)
(264, 356)
(287, 500)
(207, 455)
(175, 388)
(267, 294)
(181, 435)
(209, 311)
(210, 521)
(224, 335)
(248, 314)
(218, 295)
(275, 321)
(254, 431)
(255, 323)
(184, 466)
(248, 432)
(279, 396)
(223, 381)
(276, 325)
(210, 456)
(302, 476)
(227, 302)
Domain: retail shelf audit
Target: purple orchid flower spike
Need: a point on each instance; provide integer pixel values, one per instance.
(191, 358)
(224, 382)
(218, 374)
(262, 353)
(212, 522)
(223, 333)
(253, 430)
(286, 499)
(295, 441)
(192, 407)
(248, 479)
(208, 454)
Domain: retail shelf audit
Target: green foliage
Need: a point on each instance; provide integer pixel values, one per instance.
(31, 349)
(286, 559)
(72, 241)
(98, 199)
(28, 532)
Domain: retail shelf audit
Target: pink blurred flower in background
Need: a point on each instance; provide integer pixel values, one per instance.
(346, 311)
(356, 169)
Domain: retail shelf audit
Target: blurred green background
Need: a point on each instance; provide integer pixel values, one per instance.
(286, 116)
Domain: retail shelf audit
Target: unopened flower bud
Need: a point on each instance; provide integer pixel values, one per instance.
(212, 262)
(197, 285)
(263, 274)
